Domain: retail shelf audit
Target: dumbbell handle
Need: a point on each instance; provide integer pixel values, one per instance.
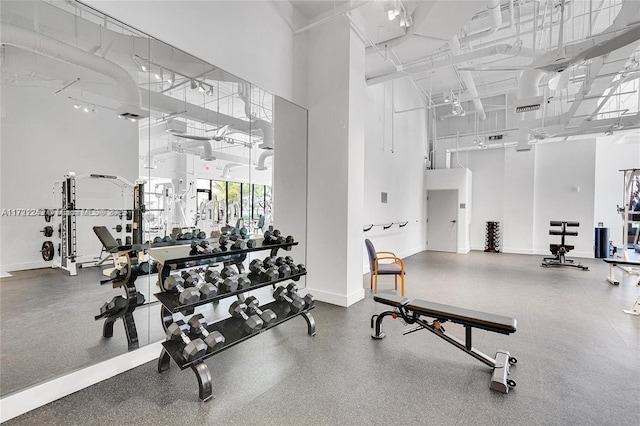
(185, 338)
(203, 331)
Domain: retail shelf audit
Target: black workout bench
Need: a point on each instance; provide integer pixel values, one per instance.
(412, 312)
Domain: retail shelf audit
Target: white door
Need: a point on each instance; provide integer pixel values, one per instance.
(442, 215)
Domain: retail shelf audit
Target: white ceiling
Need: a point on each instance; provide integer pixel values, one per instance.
(419, 52)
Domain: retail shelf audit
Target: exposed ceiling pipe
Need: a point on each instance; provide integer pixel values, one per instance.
(226, 171)
(482, 146)
(148, 162)
(38, 43)
(494, 22)
(261, 160)
(422, 66)
(265, 126)
(468, 80)
(207, 154)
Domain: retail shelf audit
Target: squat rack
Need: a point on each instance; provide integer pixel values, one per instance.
(69, 210)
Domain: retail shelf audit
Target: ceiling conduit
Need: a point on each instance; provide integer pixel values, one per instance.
(421, 66)
(38, 43)
(468, 81)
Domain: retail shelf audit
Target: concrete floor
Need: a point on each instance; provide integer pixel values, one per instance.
(578, 353)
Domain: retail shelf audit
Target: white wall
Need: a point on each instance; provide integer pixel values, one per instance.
(524, 190)
(564, 191)
(395, 119)
(43, 138)
(487, 190)
(613, 153)
(251, 39)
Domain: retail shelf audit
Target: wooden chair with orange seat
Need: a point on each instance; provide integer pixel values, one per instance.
(395, 268)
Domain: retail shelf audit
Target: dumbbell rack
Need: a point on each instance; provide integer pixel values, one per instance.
(492, 239)
(177, 257)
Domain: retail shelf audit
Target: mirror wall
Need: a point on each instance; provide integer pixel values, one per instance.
(86, 96)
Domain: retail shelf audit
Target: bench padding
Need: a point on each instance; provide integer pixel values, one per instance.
(486, 321)
(623, 262)
(391, 300)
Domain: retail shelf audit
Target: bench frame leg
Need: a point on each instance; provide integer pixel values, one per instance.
(635, 309)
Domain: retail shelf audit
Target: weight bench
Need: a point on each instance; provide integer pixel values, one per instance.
(413, 311)
(559, 250)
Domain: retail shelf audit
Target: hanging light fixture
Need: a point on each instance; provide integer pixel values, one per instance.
(200, 88)
(210, 91)
(193, 85)
(172, 78)
(77, 105)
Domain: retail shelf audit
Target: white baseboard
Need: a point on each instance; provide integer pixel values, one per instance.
(517, 250)
(36, 396)
(464, 250)
(4, 274)
(335, 298)
(24, 266)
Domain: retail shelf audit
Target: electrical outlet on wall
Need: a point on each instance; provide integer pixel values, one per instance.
(383, 197)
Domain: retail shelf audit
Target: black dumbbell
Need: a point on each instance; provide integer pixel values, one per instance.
(228, 271)
(243, 281)
(193, 349)
(224, 239)
(251, 243)
(212, 276)
(267, 316)
(201, 235)
(296, 305)
(292, 291)
(157, 240)
(201, 247)
(214, 339)
(284, 271)
(228, 285)
(239, 244)
(187, 295)
(206, 289)
(252, 323)
(265, 275)
(269, 261)
(167, 239)
(288, 240)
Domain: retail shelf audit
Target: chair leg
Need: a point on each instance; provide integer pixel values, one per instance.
(371, 281)
(375, 284)
(402, 281)
(395, 281)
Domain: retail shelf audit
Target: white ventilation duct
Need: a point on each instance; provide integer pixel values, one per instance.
(207, 154)
(148, 162)
(38, 43)
(468, 81)
(261, 160)
(494, 21)
(529, 97)
(226, 171)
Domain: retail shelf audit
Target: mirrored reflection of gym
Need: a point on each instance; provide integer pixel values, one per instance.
(139, 184)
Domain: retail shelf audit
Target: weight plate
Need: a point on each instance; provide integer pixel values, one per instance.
(47, 251)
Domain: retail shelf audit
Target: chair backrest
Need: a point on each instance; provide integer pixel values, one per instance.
(371, 251)
(105, 237)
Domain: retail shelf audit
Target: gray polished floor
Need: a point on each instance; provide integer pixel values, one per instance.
(578, 353)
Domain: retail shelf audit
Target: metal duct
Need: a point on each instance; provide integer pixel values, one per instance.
(261, 160)
(468, 80)
(148, 163)
(495, 20)
(207, 155)
(38, 43)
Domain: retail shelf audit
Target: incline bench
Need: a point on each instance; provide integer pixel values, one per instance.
(413, 311)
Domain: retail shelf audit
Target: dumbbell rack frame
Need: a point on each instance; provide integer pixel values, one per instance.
(127, 282)
(231, 328)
